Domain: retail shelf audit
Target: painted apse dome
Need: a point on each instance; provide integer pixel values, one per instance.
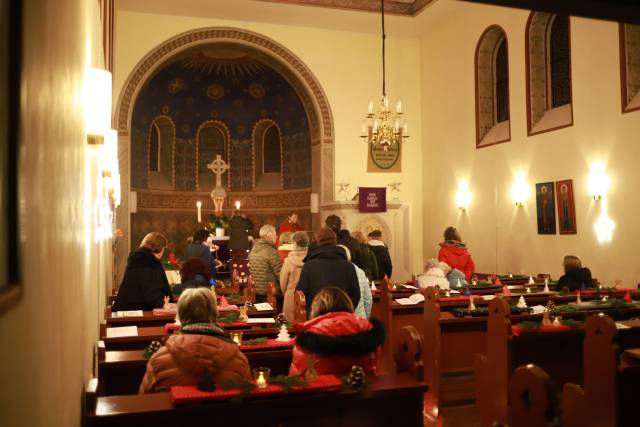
(217, 100)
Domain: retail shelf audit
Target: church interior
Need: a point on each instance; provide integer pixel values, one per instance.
(351, 133)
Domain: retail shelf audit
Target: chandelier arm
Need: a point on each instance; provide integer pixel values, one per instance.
(384, 89)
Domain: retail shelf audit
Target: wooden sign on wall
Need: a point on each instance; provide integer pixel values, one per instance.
(379, 160)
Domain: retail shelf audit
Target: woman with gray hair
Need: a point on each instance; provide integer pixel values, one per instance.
(291, 269)
(199, 352)
(264, 261)
(435, 274)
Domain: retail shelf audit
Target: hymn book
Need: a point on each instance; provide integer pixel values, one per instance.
(130, 313)
(122, 331)
(413, 299)
(263, 306)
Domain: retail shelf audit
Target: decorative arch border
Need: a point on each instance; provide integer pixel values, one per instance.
(270, 122)
(275, 54)
(501, 35)
(223, 127)
(173, 149)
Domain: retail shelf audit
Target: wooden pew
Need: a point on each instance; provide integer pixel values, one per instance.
(397, 400)
(532, 398)
(271, 295)
(250, 290)
(300, 307)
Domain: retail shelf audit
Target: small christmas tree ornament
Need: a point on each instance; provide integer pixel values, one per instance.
(283, 334)
(627, 297)
(458, 284)
(531, 281)
(498, 282)
(357, 377)
(506, 290)
(166, 305)
(546, 286)
(472, 306)
(528, 289)
(521, 302)
(578, 299)
(153, 347)
(551, 306)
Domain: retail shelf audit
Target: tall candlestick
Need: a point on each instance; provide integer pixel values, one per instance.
(199, 207)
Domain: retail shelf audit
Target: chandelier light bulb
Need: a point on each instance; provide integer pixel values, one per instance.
(399, 107)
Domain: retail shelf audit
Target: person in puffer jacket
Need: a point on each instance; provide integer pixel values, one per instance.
(201, 347)
(336, 339)
(455, 253)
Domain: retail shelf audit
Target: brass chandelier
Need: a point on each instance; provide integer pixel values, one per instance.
(386, 128)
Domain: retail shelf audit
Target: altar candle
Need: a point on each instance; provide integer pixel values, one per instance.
(199, 207)
(238, 204)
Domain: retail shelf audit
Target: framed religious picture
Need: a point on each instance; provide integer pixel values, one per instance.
(10, 60)
(546, 208)
(566, 207)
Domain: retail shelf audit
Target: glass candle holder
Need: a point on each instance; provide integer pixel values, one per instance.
(261, 376)
(474, 280)
(556, 320)
(236, 337)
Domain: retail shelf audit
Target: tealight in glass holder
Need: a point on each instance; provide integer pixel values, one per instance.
(236, 337)
(261, 376)
(556, 320)
(474, 280)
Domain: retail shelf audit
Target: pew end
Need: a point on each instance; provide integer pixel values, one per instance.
(408, 355)
(271, 295)
(250, 290)
(91, 397)
(532, 398)
(387, 362)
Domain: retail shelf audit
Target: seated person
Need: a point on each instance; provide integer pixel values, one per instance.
(193, 274)
(575, 276)
(198, 248)
(145, 283)
(199, 349)
(335, 339)
(286, 245)
(454, 276)
(434, 274)
(455, 253)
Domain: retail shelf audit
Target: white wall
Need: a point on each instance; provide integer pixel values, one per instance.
(348, 67)
(47, 339)
(501, 237)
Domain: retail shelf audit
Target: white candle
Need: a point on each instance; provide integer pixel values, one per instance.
(370, 107)
(237, 204)
(199, 207)
(399, 107)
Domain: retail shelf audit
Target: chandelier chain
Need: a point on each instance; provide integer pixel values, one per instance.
(384, 36)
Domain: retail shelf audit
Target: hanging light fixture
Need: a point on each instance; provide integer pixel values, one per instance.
(386, 128)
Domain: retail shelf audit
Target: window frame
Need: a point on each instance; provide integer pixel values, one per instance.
(623, 70)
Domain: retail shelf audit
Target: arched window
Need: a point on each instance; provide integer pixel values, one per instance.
(267, 145)
(492, 88)
(160, 153)
(212, 139)
(548, 72)
(630, 66)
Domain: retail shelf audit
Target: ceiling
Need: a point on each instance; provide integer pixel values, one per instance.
(399, 7)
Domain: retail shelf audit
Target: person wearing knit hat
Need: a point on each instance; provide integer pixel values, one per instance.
(325, 266)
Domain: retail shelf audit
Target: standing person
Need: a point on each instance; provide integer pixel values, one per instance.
(144, 284)
(380, 250)
(290, 224)
(344, 238)
(335, 339)
(455, 253)
(285, 246)
(199, 348)
(575, 276)
(328, 266)
(199, 249)
(264, 261)
(367, 258)
(239, 227)
(363, 309)
(193, 274)
(291, 269)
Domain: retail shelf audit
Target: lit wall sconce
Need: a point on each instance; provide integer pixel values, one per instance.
(598, 181)
(97, 94)
(463, 196)
(520, 190)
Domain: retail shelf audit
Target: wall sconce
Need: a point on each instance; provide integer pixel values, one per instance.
(97, 105)
(598, 181)
(463, 196)
(519, 190)
(604, 227)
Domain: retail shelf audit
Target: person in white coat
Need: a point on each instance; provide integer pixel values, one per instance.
(435, 274)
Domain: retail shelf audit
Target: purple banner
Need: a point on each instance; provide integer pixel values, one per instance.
(373, 199)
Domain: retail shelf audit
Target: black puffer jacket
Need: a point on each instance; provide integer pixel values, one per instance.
(576, 280)
(344, 238)
(328, 266)
(144, 285)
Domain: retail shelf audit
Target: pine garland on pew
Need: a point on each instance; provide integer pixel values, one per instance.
(149, 351)
(255, 341)
(228, 319)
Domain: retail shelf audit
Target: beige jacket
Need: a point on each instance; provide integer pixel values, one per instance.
(289, 276)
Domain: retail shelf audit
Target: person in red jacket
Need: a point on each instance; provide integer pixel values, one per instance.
(290, 224)
(455, 253)
(336, 339)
